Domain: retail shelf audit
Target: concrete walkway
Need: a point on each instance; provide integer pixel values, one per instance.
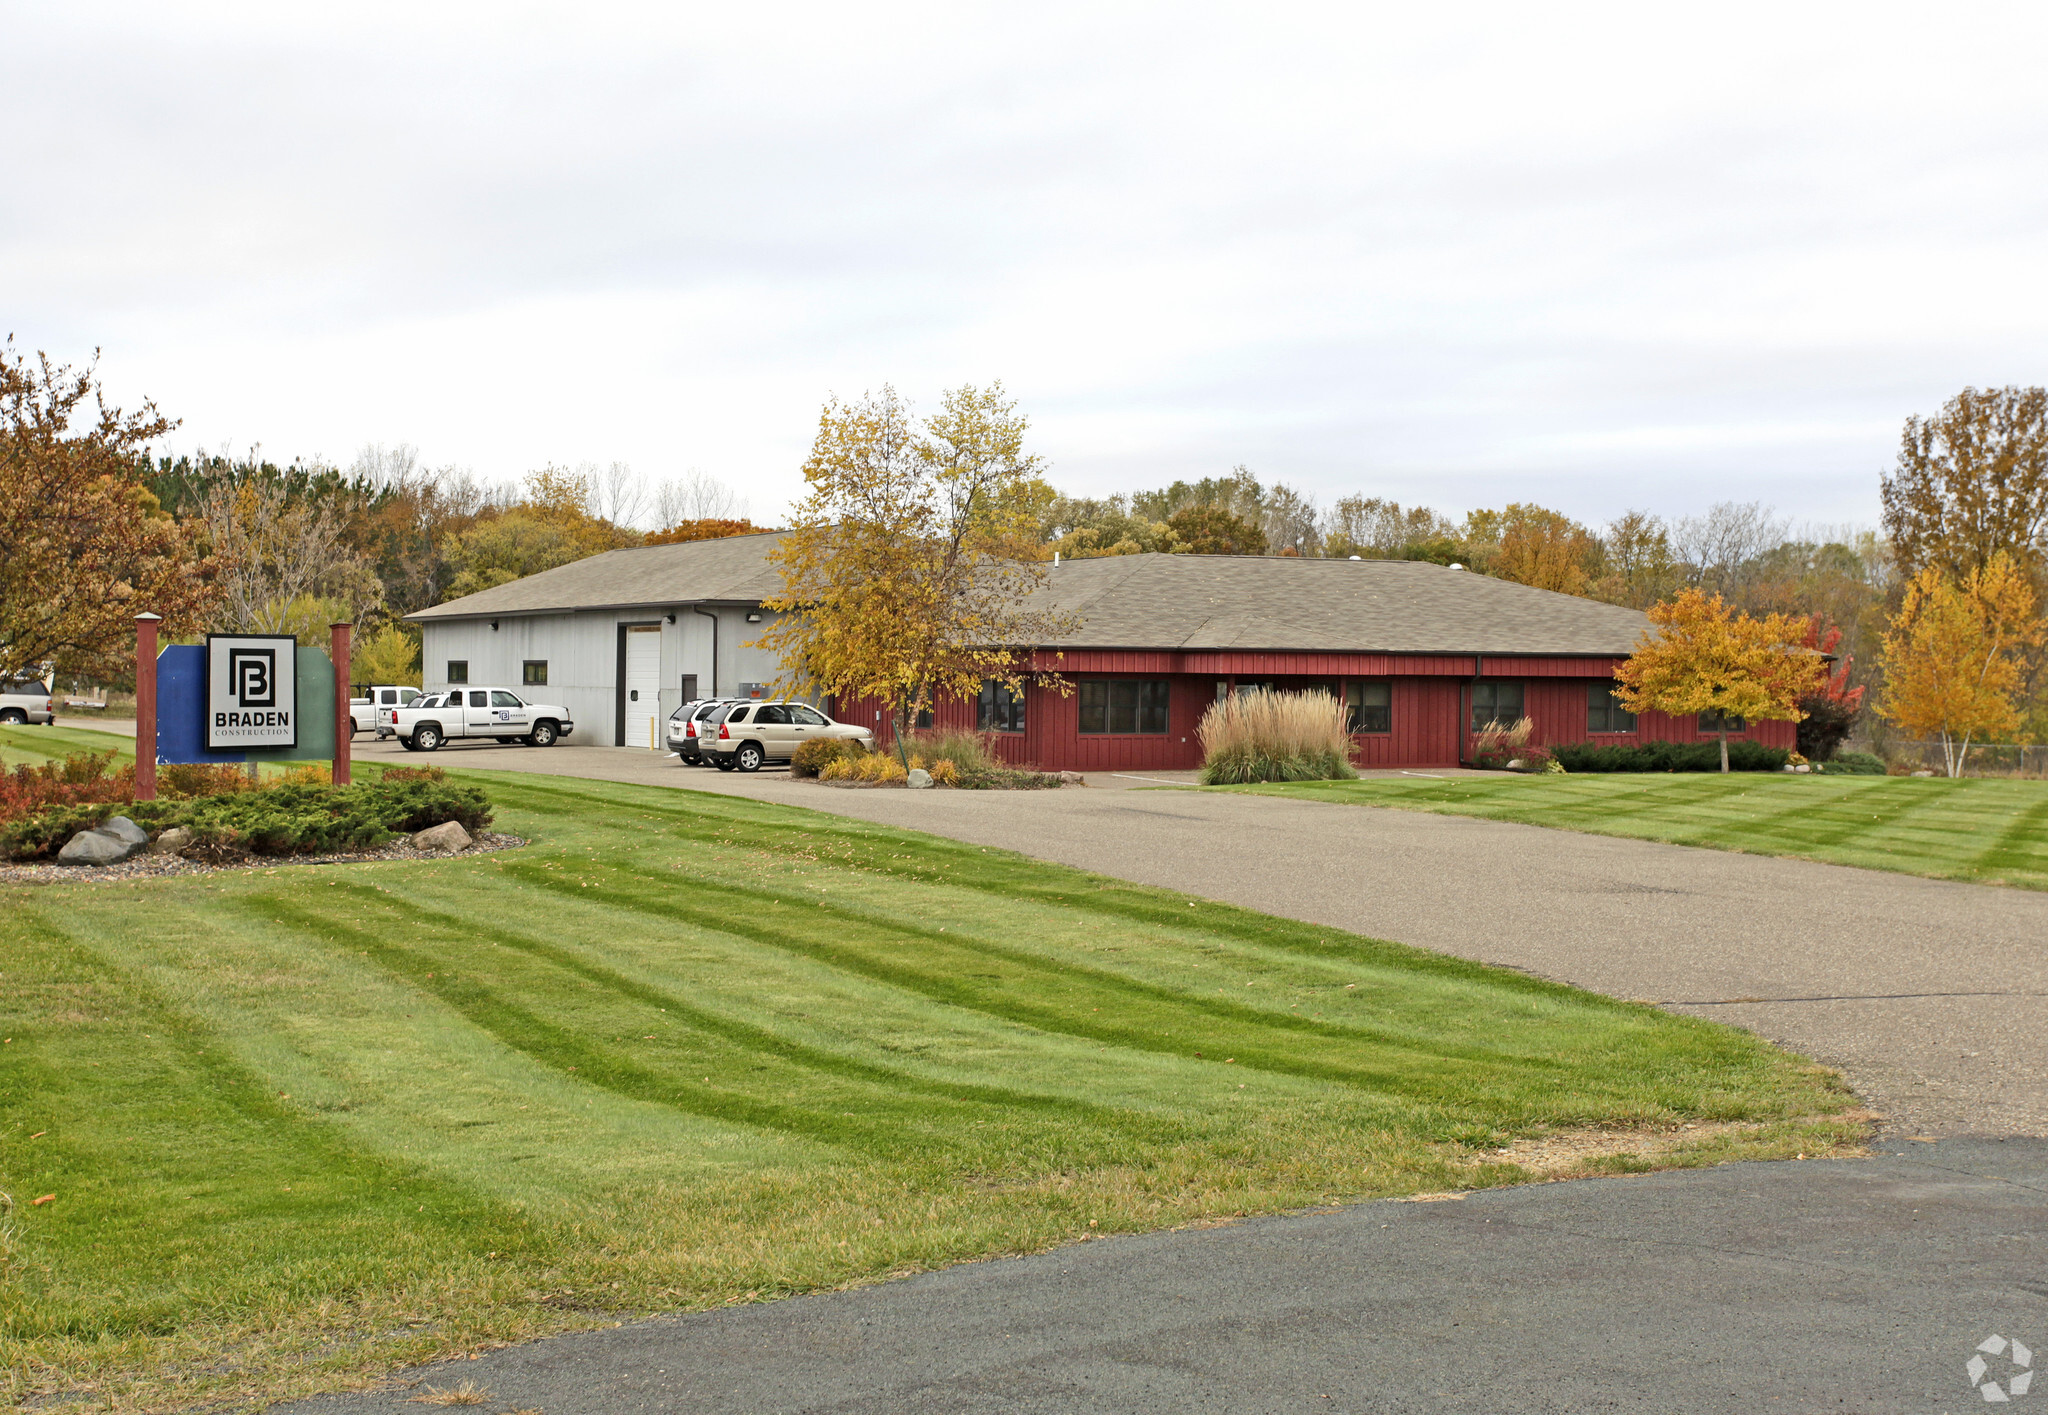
(1929, 996)
(1840, 1285)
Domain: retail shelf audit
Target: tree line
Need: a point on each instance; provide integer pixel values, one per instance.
(98, 529)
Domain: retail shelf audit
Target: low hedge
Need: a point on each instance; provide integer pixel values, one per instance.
(291, 819)
(814, 756)
(1667, 756)
(1855, 764)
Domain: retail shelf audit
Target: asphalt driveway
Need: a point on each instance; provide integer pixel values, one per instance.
(1928, 995)
(1838, 1285)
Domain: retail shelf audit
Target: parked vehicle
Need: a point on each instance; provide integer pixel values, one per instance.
(26, 700)
(748, 735)
(686, 724)
(478, 714)
(367, 712)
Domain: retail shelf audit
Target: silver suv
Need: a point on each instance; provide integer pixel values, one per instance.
(745, 736)
(688, 725)
(26, 700)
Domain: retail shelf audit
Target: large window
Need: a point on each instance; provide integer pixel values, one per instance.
(999, 709)
(1369, 707)
(1496, 705)
(1715, 723)
(1123, 706)
(458, 670)
(1604, 712)
(534, 673)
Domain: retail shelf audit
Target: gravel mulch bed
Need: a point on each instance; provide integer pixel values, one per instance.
(147, 866)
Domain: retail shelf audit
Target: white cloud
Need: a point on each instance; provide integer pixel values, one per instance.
(1592, 255)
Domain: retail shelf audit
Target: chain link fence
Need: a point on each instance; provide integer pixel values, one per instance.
(2027, 760)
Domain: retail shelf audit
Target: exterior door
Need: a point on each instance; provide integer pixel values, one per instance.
(476, 717)
(643, 683)
(507, 712)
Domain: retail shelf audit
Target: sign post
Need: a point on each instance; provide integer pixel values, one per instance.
(344, 725)
(145, 705)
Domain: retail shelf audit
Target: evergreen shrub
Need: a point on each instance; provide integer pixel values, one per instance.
(1667, 756)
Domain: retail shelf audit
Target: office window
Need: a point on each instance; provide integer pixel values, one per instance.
(1604, 712)
(999, 709)
(458, 670)
(1124, 706)
(1369, 707)
(534, 673)
(1496, 704)
(1715, 723)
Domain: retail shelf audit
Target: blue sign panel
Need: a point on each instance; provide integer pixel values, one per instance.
(181, 721)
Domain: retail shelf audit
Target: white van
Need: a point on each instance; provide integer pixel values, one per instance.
(25, 700)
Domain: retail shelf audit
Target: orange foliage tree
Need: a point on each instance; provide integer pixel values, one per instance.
(1952, 656)
(705, 528)
(1706, 657)
(84, 546)
(909, 561)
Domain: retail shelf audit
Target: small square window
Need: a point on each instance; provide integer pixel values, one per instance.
(999, 709)
(1604, 712)
(1496, 705)
(1369, 707)
(458, 670)
(534, 673)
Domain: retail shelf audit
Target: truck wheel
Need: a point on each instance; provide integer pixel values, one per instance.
(749, 757)
(426, 738)
(406, 742)
(543, 734)
(14, 717)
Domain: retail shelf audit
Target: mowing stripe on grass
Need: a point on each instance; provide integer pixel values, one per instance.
(744, 1035)
(1237, 1028)
(2022, 845)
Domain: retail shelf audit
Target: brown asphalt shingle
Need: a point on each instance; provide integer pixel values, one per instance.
(1182, 602)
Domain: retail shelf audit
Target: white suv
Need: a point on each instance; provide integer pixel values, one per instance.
(746, 735)
(27, 700)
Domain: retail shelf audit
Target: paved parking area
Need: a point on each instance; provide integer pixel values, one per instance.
(1928, 995)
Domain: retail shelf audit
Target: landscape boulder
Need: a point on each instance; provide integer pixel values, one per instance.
(1072, 778)
(171, 841)
(94, 847)
(448, 837)
(918, 779)
(124, 830)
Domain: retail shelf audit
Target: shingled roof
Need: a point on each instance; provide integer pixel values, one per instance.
(1182, 602)
(733, 569)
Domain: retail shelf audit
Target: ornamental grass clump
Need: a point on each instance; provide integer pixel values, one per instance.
(1498, 748)
(1275, 737)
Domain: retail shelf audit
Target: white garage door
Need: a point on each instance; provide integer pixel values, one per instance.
(643, 683)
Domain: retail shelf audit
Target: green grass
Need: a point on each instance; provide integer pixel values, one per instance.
(1983, 831)
(683, 1050)
(32, 746)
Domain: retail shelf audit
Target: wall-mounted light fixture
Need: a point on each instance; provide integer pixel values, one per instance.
(494, 626)
(753, 616)
(671, 619)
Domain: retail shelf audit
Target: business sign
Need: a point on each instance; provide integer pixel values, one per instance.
(252, 691)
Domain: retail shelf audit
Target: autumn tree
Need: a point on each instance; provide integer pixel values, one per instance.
(910, 560)
(1209, 529)
(551, 524)
(1533, 545)
(1972, 481)
(1829, 708)
(705, 528)
(280, 551)
(1640, 568)
(1952, 656)
(1706, 657)
(84, 545)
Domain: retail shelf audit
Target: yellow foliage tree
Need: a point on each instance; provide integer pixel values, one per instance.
(1706, 657)
(1952, 655)
(907, 566)
(1533, 545)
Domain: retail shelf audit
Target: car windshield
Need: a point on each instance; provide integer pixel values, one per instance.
(429, 700)
(713, 711)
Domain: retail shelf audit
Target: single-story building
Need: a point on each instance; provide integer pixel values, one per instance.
(1422, 655)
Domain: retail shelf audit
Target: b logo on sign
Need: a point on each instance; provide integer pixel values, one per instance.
(252, 676)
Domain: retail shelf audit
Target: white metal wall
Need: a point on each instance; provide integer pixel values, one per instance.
(581, 650)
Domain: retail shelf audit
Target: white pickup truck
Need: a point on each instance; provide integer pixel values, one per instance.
(478, 714)
(367, 712)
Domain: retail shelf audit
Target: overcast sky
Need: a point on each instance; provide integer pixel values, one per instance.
(1597, 257)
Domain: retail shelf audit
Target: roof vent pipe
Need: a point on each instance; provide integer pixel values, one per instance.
(1358, 557)
(1456, 566)
(1055, 559)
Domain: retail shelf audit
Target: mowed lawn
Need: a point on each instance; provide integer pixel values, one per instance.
(1983, 831)
(306, 1123)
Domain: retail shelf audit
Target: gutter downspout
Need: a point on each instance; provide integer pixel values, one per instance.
(1465, 727)
(699, 609)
